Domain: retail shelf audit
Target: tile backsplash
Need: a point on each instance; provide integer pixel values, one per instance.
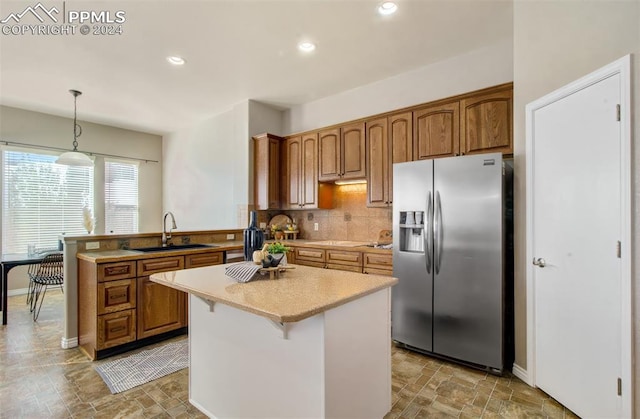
(350, 219)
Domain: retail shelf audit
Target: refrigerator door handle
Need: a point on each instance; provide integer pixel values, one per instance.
(437, 227)
(428, 234)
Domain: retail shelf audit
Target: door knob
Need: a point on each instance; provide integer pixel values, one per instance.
(539, 262)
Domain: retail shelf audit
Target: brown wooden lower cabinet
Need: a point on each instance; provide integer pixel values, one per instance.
(160, 309)
(377, 263)
(345, 260)
(119, 307)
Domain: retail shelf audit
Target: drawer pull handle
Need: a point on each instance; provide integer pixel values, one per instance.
(117, 270)
(117, 329)
(114, 296)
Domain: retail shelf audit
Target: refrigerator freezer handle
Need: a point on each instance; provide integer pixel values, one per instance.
(428, 234)
(437, 227)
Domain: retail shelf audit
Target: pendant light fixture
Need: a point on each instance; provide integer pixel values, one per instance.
(75, 158)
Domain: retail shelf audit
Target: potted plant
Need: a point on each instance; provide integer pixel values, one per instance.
(275, 253)
(277, 233)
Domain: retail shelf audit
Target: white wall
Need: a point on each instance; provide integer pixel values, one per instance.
(555, 43)
(477, 69)
(36, 128)
(262, 118)
(208, 169)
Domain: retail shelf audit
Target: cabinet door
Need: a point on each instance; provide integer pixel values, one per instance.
(329, 156)
(400, 143)
(267, 177)
(378, 260)
(378, 175)
(309, 171)
(292, 158)
(486, 123)
(437, 131)
(160, 309)
(353, 151)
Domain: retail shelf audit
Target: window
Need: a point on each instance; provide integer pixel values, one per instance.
(41, 199)
(120, 197)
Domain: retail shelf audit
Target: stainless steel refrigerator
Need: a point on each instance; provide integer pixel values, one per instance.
(453, 255)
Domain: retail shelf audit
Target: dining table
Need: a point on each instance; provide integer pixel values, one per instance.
(8, 262)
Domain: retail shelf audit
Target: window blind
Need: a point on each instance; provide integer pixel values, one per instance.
(41, 199)
(121, 197)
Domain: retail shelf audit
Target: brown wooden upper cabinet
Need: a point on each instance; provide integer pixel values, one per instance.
(341, 153)
(437, 131)
(388, 140)
(480, 122)
(267, 176)
(486, 122)
(300, 180)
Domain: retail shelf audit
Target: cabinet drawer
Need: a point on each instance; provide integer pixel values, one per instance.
(202, 259)
(344, 267)
(344, 257)
(116, 270)
(378, 261)
(116, 295)
(150, 266)
(311, 255)
(116, 328)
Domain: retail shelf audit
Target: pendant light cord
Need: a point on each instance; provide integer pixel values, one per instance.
(77, 129)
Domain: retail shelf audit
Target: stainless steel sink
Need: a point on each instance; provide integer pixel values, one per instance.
(174, 247)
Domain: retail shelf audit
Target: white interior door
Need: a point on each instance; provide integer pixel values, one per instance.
(575, 226)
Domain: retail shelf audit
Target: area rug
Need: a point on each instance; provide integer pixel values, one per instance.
(123, 374)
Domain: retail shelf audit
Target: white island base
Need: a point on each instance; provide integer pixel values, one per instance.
(335, 364)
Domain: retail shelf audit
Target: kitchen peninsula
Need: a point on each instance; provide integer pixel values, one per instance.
(313, 343)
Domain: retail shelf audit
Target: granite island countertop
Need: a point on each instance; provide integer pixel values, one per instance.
(299, 293)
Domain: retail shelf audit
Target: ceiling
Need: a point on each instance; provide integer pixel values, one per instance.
(235, 50)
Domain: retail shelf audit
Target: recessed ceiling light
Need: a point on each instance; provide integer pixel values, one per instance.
(175, 60)
(387, 8)
(306, 46)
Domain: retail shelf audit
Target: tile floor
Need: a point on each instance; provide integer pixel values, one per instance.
(38, 379)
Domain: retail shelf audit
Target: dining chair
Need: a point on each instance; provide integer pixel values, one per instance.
(49, 272)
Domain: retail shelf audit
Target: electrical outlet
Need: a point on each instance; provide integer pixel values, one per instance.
(263, 225)
(315, 226)
(92, 245)
(231, 236)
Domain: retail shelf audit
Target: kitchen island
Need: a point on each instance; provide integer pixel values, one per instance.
(315, 343)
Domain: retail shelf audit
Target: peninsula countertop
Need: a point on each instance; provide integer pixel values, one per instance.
(119, 255)
(299, 293)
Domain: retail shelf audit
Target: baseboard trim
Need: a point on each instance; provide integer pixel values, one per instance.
(17, 291)
(522, 374)
(68, 343)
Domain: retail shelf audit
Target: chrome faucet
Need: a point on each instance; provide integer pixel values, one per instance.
(167, 236)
